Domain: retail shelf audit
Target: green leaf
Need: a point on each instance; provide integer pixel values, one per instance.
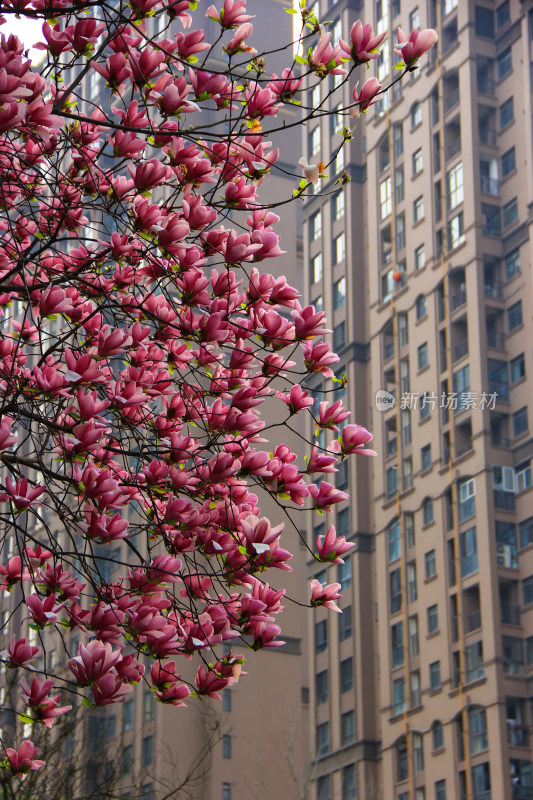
(25, 718)
(400, 65)
(290, 11)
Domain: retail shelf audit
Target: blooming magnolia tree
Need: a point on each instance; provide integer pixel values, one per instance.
(139, 341)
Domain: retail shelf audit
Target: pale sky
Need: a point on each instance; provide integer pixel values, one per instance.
(29, 32)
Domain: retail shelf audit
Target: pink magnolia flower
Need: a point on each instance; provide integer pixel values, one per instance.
(297, 399)
(20, 651)
(230, 15)
(325, 595)
(331, 414)
(110, 689)
(237, 44)
(326, 495)
(353, 438)
(93, 661)
(325, 59)
(363, 44)
(331, 548)
(286, 86)
(366, 97)
(411, 49)
(21, 494)
(23, 760)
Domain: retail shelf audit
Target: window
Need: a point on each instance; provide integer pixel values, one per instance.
(508, 162)
(226, 700)
(455, 187)
(523, 477)
(467, 499)
(400, 231)
(322, 738)
(448, 6)
(345, 623)
(506, 112)
(398, 139)
(398, 696)
(127, 759)
(396, 632)
(434, 675)
(440, 790)
(421, 309)
(395, 589)
(128, 714)
(407, 473)
(393, 539)
(416, 697)
(474, 662)
(513, 655)
(339, 341)
(404, 376)
(411, 582)
(416, 115)
(427, 511)
(387, 285)
(418, 752)
(503, 14)
(420, 257)
(504, 63)
(398, 184)
(403, 333)
(468, 544)
(430, 564)
(512, 264)
(339, 248)
(438, 735)
(401, 755)
(484, 22)
(477, 725)
(406, 426)
(347, 728)
(314, 96)
(433, 618)
(314, 141)
(226, 746)
(339, 161)
(425, 457)
(349, 783)
(418, 161)
(338, 205)
(514, 316)
(520, 425)
(319, 303)
(418, 209)
(322, 687)
(414, 19)
(527, 590)
(525, 529)
(346, 674)
(148, 751)
(392, 481)
(385, 198)
(226, 791)
(323, 786)
(339, 292)
(510, 212)
(456, 234)
(315, 225)
(321, 636)
(344, 573)
(413, 636)
(316, 268)
(422, 355)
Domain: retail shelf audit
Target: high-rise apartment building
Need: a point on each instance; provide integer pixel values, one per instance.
(422, 689)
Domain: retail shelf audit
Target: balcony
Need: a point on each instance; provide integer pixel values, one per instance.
(522, 793)
(517, 735)
(500, 388)
(496, 340)
(460, 350)
(489, 185)
(392, 448)
(453, 148)
(451, 100)
(494, 289)
(397, 657)
(486, 85)
(510, 613)
(504, 501)
(500, 441)
(458, 299)
(488, 135)
(388, 350)
(473, 621)
(463, 450)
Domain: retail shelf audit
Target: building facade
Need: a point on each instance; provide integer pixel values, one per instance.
(423, 265)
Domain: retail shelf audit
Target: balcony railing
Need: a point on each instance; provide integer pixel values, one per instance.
(496, 340)
(473, 621)
(489, 185)
(500, 441)
(522, 793)
(512, 667)
(458, 299)
(488, 135)
(510, 613)
(486, 85)
(465, 448)
(460, 350)
(453, 148)
(451, 99)
(505, 501)
(494, 289)
(517, 735)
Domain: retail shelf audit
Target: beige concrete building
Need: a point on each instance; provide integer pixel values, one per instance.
(423, 265)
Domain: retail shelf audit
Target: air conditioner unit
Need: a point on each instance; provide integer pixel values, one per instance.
(505, 555)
